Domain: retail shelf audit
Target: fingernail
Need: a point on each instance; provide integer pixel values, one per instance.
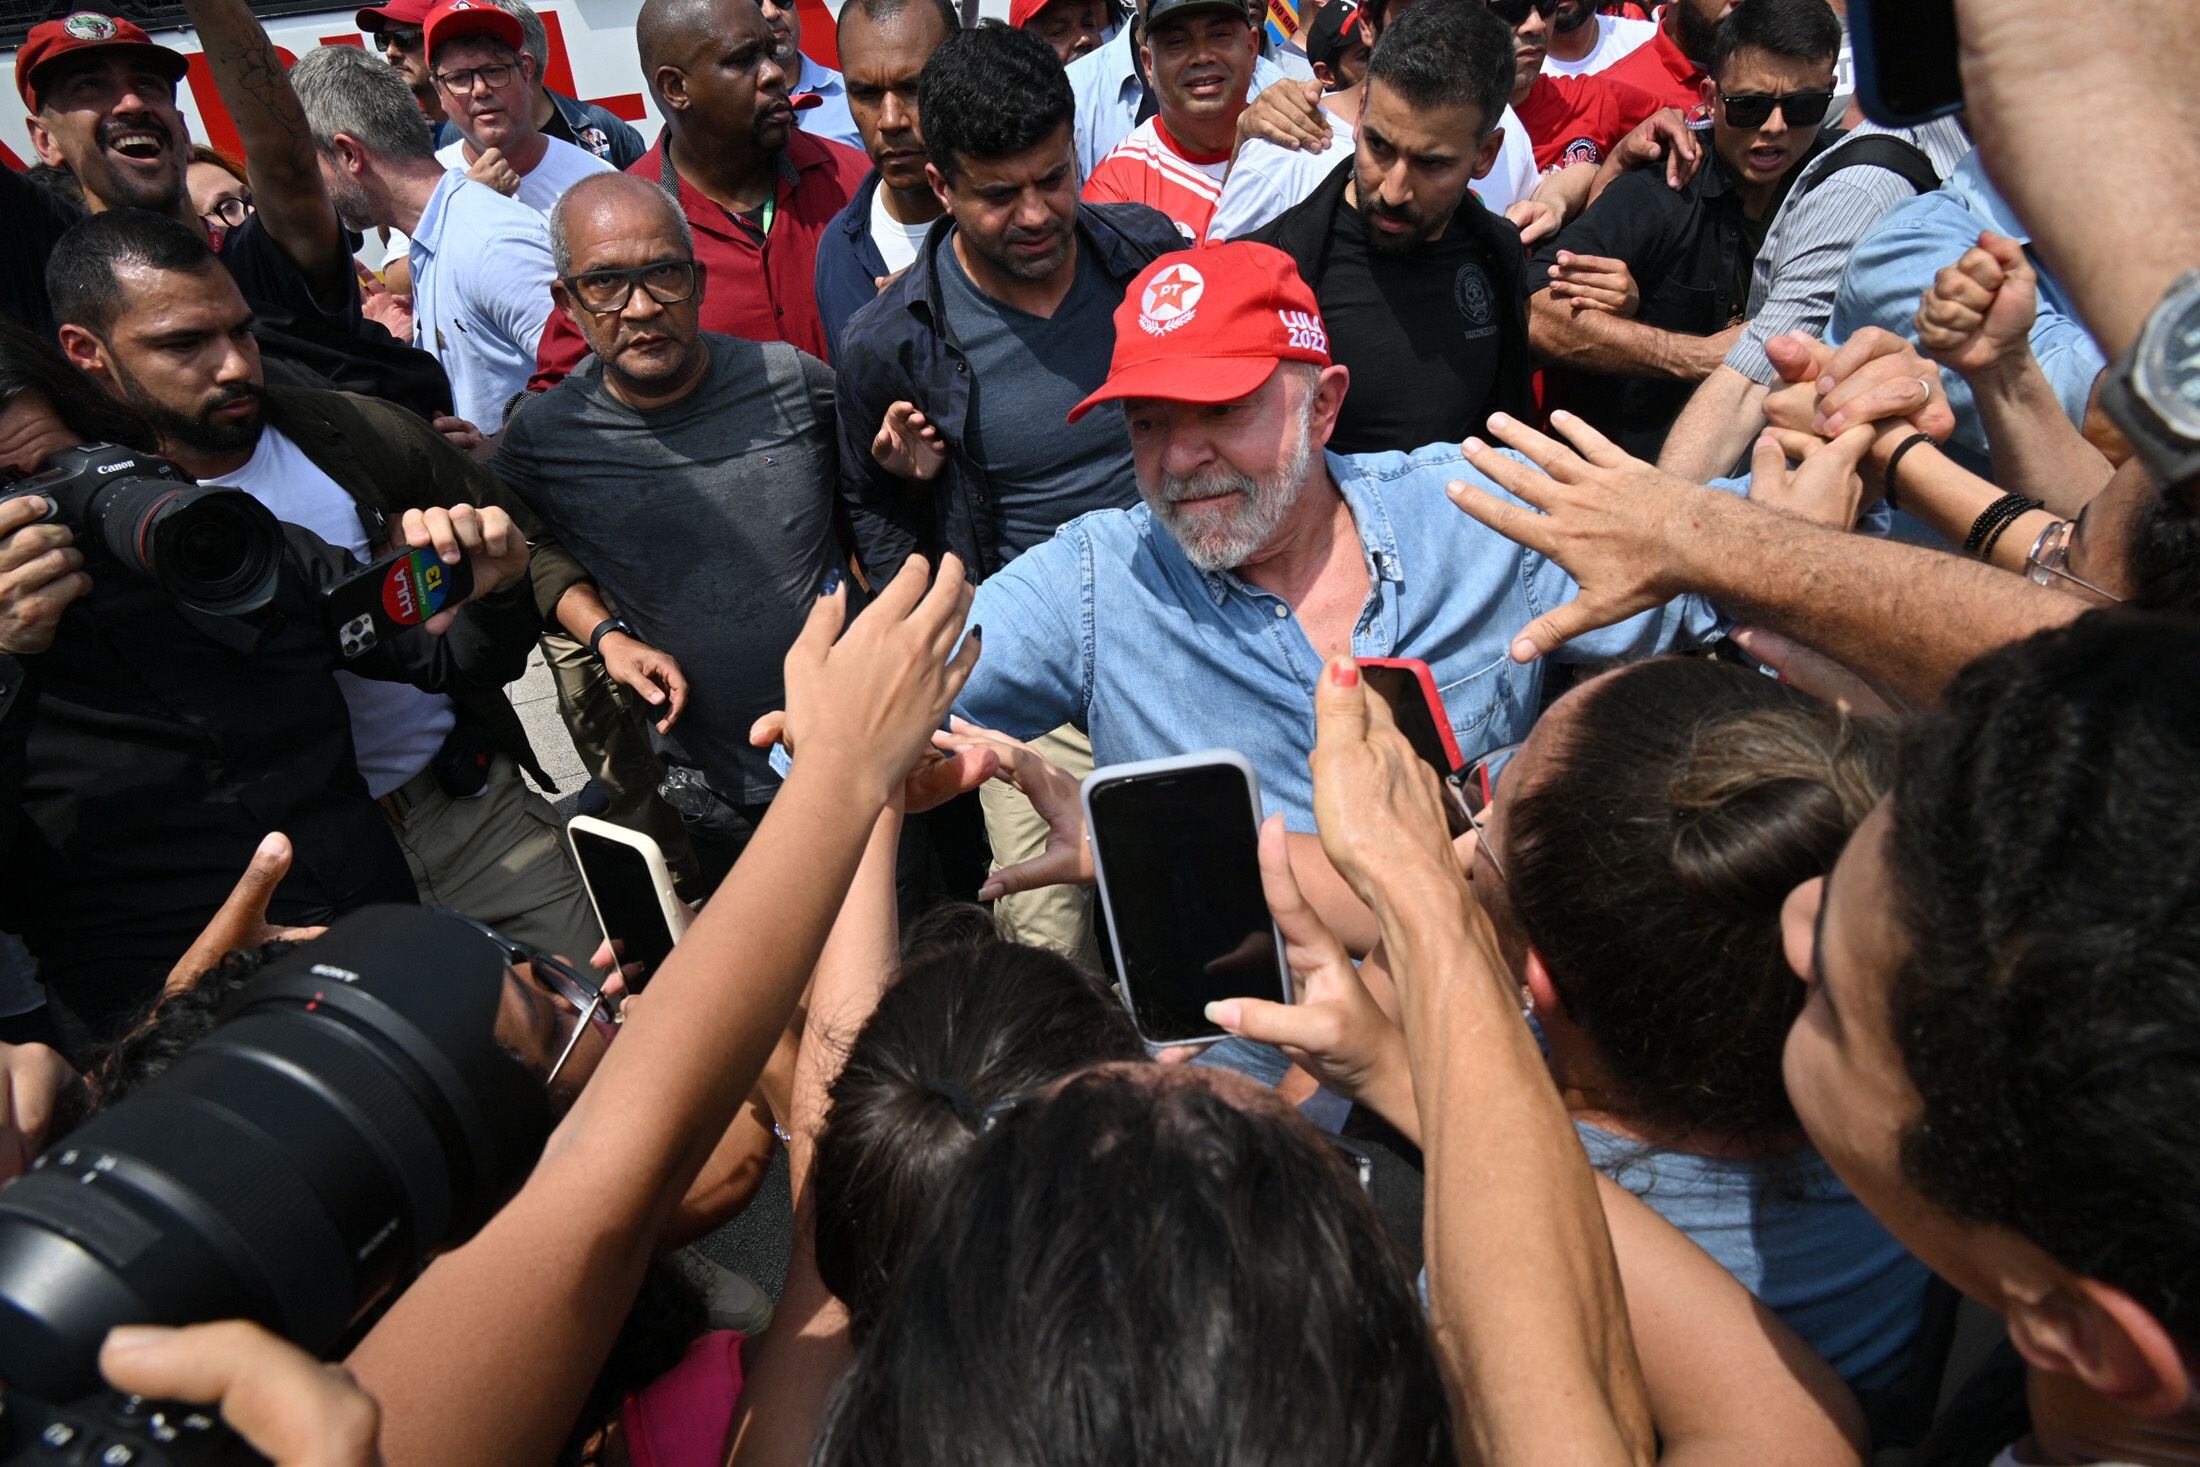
(271, 846)
(832, 583)
(1475, 445)
(1523, 650)
(1500, 420)
(1224, 1013)
(1345, 673)
(126, 1337)
(977, 633)
(992, 891)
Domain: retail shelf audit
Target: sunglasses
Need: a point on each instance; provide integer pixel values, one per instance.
(592, 1007)
(1754, 109)
(1515, 12)
(399, 38)
(1477, 787)
(606, 292)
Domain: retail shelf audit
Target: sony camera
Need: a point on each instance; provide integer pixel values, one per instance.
(217, 550)
(350, 1115)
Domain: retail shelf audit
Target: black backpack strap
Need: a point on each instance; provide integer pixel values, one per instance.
(1882, 150)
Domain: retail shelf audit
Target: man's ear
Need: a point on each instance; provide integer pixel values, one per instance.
(563, 300)
(88, 354)
(42, 142)
(1485, 160)
(940, 190)
(1542, 991)
(1329, 390)
(670, 84)
(2107, 1341)
(1709, 91)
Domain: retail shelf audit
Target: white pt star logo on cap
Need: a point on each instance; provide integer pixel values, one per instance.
(89, 25)
(1170, 300)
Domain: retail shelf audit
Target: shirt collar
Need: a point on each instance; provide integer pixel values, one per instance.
(1674, 59)
(819, 79)
(428, 232)
(1370, 516)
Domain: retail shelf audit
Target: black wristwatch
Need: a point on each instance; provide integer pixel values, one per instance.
(2153, 393)
(605, 628)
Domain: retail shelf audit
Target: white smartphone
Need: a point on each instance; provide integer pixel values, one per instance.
(630, 886)
(1176, 847)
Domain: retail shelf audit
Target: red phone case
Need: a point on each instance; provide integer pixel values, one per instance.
(1418, 671)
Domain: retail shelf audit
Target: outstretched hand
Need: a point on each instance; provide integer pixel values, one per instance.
(242, 920)
(1066, 859)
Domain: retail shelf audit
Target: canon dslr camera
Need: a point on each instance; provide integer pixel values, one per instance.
(217, 550)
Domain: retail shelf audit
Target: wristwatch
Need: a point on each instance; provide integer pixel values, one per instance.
(2153, 393)
(605, 628)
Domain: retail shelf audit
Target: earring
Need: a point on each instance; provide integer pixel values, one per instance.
(1527, 1002)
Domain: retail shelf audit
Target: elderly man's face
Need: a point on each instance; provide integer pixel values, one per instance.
(641, 339)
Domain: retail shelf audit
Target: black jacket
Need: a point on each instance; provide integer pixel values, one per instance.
(896, 349)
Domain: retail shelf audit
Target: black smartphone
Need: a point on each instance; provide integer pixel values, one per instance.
(1409, 688)
(1176, 847)
(1906, 70)
(630, 887)
(393, 595)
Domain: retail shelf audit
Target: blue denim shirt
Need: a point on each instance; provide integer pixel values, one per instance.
(1109, 627)
(1894, 265)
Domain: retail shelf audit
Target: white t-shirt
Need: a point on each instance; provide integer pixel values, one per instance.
(897, 242)
(395, 727)
(1616, 36)
(1267, 179)
(562, 166)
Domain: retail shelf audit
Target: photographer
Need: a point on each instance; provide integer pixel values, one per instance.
(157, 743)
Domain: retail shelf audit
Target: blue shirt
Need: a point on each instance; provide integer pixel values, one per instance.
(1109, 627)
(1894, 265)
(830, 118)
(1109, 92)
(481, 275)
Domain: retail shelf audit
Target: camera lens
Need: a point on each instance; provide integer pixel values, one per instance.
(219, 550)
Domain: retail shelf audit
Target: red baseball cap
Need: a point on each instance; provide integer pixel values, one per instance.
(405, 14)
(1020, 12)
(86, 30)
(455, 18)
(1211, 325)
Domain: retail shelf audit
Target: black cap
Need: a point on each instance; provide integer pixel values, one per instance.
(1160, 10)
(1331, 31)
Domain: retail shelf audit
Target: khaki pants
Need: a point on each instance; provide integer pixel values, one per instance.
(499, 857)
(1059, 917)
(612, 739)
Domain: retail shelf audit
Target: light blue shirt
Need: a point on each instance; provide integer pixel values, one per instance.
(1109, 627)
(831, 117)
(481, 276)
(1109, 92)
(1894, 265)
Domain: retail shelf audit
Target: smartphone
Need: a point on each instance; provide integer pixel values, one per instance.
(1906, 70)
(1409, 688)
(1176, 847)
(393, 595)
(630, 886)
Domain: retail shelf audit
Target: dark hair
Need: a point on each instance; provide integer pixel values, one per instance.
(1799, 30)
(60, 178)
(1699, 794)
(991, 93)
(878, 12)
(173, 1022)
(2165, 553)
(201, 153)
(2045, 871)
(82, 272)
(1447, 53)
(973, 1019)
(1135, 1270)
(28, 363)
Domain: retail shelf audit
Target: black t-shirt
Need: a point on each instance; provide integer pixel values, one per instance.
(1421, 333)
(37, 216)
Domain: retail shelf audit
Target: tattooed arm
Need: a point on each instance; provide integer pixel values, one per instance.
(293, 202)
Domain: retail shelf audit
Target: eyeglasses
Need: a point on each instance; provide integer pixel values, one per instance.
(606, 292)
(399, 38)
(1754, 109)
(461, 83)
(1515, 12)
(592, 1007)
(2049, 557)
(231, 213)
(1477, 786)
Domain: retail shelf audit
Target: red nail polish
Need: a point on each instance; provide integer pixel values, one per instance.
(1345, 674)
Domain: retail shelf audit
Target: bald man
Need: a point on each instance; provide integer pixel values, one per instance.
(691, 474)
(757, 193)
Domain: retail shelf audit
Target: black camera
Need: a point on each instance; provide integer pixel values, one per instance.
(352, 1114)
(218, 550)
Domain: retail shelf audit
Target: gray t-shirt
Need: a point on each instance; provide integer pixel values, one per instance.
(1030, 372)
(708, 521)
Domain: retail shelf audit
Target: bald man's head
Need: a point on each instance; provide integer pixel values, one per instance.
(629, 282)
(606, 206)
(709, 64)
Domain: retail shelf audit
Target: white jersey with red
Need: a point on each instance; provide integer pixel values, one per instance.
(1151, 167)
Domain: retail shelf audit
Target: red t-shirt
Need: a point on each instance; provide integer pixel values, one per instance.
(1658, 67)
(760, 288)
(1152, 167)
(1576, 119)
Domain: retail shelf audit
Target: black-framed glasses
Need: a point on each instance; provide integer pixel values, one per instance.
(1754, 109)
(400, 38)
(461, 83)
(1515, 12)
(606, 292)
(1477, 786)
(591, 1006)
(230, 213)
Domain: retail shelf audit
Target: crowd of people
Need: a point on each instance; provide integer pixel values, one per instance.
(1767, 1045)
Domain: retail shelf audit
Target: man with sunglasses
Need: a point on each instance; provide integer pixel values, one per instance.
(691, 474)
(396, 30)
(1584, 42)
(476, 60)
(1570, 119)
(1691, 251)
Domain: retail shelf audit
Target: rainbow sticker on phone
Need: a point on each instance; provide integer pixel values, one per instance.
(415, 588)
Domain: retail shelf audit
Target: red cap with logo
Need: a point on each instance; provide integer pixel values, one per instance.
(411, 15)
(86, 30)
(1211, 325)
(1020, 12)
(470, 18)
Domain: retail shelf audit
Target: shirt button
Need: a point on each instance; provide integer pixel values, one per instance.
(1282, 612)
(779, 310)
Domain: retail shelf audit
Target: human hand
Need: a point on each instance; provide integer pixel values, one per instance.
(908, 445)
(1977, 317)
(1334, 1029)
(37, 1089)
(483, 536)
(1379, 808)
(1616, 524)
(1875, 376)
(651, 675)
(1826, 488)
(1536, 221)
(491, 169)
(459, 433)
(939, 776)
(242, 920)
(1810, 671)
(1288, 114)
(41, 572)
(379, 304)
(1066, 859)
(863, 702)
(1595, 283)
(1663, 134)
(288, 1406)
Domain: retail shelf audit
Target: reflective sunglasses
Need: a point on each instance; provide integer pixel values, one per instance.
(1477, 786)
(1754, 109)
(400, 38)
(1515, 12)
(606, 292)
(592, 1007)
